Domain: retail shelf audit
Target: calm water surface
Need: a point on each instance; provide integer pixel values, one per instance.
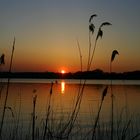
(64, 93)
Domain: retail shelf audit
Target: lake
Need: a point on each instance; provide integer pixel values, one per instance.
(60, 103)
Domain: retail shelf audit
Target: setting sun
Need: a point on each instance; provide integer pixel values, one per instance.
(62, 71)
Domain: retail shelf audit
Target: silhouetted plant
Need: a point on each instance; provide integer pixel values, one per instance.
(90, 59)
(91, 31)
(2, 62)
(7, 89)
(80, 55)
(34, 117)
(15, 135)
(114, 53)
(66, 130)
(98, 114)
(81, 90)
(135, 137)
(2, 59)
(99, 34)
(48, 113)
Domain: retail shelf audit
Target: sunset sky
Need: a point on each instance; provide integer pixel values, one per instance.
(46, 33)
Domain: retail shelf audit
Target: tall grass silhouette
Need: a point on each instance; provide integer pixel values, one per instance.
(98, 114)
(99, 34)
(2, 62)
(7, 89)
(34, 117)
(2, 59)
(48, 113)
(80, 55)
(114, 53)
(91, 31)
(91, 52)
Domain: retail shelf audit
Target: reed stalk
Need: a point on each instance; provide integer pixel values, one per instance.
(92, 55)
(80, 94)
(48, 113)
(34, 117)
(89, 53)
(80, 55)
(112, 106)
(7, 90)
(98, 114)
(66, 130)
(135, 137)
(99, 34)
(114, 53)
(68, 127)
(2, 62)
(18, 116)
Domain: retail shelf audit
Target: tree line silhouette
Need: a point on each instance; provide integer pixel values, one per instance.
(94, 74)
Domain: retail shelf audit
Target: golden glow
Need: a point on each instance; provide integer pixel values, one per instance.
(62, 71)
(62, 87)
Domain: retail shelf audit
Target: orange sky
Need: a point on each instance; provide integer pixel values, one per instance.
(47, 31)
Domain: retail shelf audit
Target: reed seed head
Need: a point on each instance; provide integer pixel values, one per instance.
(114, 53)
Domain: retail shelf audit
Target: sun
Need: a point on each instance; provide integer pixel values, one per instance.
(62, 71)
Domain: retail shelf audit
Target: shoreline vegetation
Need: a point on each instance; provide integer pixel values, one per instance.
(95, 74)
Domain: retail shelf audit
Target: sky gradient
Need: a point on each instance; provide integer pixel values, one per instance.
(46, 32)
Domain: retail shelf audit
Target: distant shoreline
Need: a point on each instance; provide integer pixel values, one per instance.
(95, 74)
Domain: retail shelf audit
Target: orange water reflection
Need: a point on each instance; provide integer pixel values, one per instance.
(63, 100)
(62, 87)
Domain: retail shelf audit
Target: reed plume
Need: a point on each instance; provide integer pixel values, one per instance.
(91, 31)
(99, 34)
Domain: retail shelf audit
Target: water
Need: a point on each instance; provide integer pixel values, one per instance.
(64, 94)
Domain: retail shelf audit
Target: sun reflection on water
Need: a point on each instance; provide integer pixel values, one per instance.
(62, 87)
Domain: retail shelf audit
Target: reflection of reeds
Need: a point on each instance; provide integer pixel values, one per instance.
(7, 90)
